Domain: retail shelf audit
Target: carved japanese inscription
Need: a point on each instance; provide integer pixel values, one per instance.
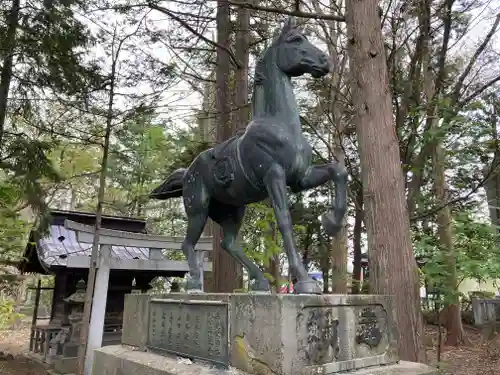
(193, 329)
(368, 331)
(321, 345)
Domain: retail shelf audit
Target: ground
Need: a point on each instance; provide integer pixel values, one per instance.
(13, 346)
(481, 358)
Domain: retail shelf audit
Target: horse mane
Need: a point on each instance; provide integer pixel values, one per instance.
(259, 76)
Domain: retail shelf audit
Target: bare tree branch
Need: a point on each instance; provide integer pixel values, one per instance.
(478, 91)
(330, 17)
(470, 65)
(193, 31)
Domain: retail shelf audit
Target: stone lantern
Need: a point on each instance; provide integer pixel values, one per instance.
(66, 341)
(76, 301)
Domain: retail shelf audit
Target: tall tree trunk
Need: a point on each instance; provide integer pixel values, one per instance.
(326, 280)
(272, 266)
(393, 269)
(8, 59)
(207, 127)
(334, 106)
(432, 88)
(208, 277)
(338, 255)
(356, 243)
(94, 257)
(491, 170)
(308, 238)
(275, 271)
(419, 71)
(227, 271)
(338, 246)
(455, 333)
(241, 75)
(73, 198)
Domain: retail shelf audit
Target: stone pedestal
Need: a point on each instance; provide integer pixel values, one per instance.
(267, 334)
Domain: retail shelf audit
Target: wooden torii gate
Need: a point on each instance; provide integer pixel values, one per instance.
(109, 238)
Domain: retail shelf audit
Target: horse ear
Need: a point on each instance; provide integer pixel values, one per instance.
(289, 25)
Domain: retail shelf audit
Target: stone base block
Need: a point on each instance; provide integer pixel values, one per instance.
(401, 368)
(65, 365)
(267, 334)
(120, 360)
(71, 349)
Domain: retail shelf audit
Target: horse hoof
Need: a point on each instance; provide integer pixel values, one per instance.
(329, 225)
(261, 286)
(307, 287)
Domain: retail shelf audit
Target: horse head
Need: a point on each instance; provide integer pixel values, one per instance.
(295, 55)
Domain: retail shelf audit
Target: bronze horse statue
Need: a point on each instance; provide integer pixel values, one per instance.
(260, 163)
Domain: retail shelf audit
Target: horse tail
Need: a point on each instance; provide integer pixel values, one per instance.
(171, 187)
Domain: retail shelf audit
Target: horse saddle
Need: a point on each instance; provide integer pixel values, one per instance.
(225, 158)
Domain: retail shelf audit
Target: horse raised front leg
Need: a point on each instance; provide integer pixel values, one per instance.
(318, 175)
(275, 181)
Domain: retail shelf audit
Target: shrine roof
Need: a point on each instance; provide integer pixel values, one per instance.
(61, 243)
(43, 254)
